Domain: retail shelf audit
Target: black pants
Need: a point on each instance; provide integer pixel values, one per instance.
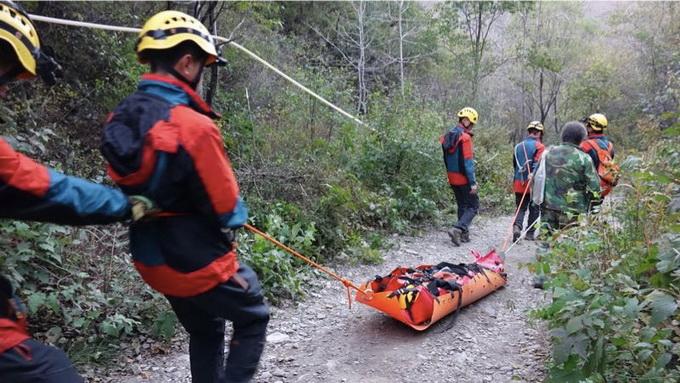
(34, 362)
(527, 204)
(238, 300)
(468, 205)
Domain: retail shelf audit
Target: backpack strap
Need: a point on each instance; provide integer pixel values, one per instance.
(519, 166)
(589, 144)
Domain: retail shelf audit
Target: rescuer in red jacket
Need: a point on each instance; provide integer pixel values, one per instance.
(162, 143)
(460, 171)
(526, 157)
(31, 191)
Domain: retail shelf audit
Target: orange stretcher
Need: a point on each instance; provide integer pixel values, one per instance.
(422, 295)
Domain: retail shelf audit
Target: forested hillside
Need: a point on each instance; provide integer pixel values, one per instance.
(337, 190)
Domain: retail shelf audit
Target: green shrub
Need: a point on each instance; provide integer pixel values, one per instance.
(494, 171)
(280, 273)
(74, 297)
(614, 312)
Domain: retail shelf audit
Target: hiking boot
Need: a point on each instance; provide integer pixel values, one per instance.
(516, 232)
(539, 280)
(531, 236)
(465, 236)
(455, 235)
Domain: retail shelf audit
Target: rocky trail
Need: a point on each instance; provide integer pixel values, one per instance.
(322, 340)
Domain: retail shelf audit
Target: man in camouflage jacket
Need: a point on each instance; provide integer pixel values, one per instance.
(571, 182)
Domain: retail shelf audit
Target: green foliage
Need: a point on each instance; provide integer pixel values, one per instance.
(494, 171)
(595, 88)
(614, 313)
(541, 58)
(279, 272)
(348, 210)
(164, 324)
(78, 298)
(321, 183)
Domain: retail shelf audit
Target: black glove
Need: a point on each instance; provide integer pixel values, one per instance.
(228, 234)
(47, 67)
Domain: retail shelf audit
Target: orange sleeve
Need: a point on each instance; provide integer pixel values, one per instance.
(204, 145)
(21, 172)
(467, 147)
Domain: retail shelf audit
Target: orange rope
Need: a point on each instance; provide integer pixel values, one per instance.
(512, 223)
(346, 282)
(521, 201)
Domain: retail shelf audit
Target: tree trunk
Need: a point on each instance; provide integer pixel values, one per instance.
(361, 62)
(525, 17)
(212, 85)
(557, 127)
(477, 52)
(401, 48)
(310, 122)
(540, 97)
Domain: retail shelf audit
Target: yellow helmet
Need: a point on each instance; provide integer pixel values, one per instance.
(407, 295)
(470, 113)
(535, 125)
(18, 31)
(167, 29)
(597, 121)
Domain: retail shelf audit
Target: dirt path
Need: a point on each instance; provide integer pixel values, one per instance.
(321, 340)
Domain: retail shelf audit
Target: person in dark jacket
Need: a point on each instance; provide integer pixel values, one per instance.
(460, 170)
(525, 158)
(162, 143)
(30, 191)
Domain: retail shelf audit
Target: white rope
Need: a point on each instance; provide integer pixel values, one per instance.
(270, 66)
(521, 235)
(74, 23)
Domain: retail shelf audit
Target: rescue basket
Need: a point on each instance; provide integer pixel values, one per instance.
(420, 296)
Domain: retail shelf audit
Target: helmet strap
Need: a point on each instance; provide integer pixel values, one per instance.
(193, 84)
(46, 66)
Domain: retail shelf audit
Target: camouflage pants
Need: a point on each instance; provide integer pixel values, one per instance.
(555, 219)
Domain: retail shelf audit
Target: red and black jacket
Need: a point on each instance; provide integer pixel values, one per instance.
(30, 191)
(161, 142)
(458, 156)
(526, 157)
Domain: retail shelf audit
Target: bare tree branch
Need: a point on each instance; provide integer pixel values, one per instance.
(329, 42)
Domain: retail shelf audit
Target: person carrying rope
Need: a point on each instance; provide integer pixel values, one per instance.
(526, 157)
(30, 191)
(460, 170)
(161, 142)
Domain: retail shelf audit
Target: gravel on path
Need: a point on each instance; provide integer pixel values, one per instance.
(322, 340)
